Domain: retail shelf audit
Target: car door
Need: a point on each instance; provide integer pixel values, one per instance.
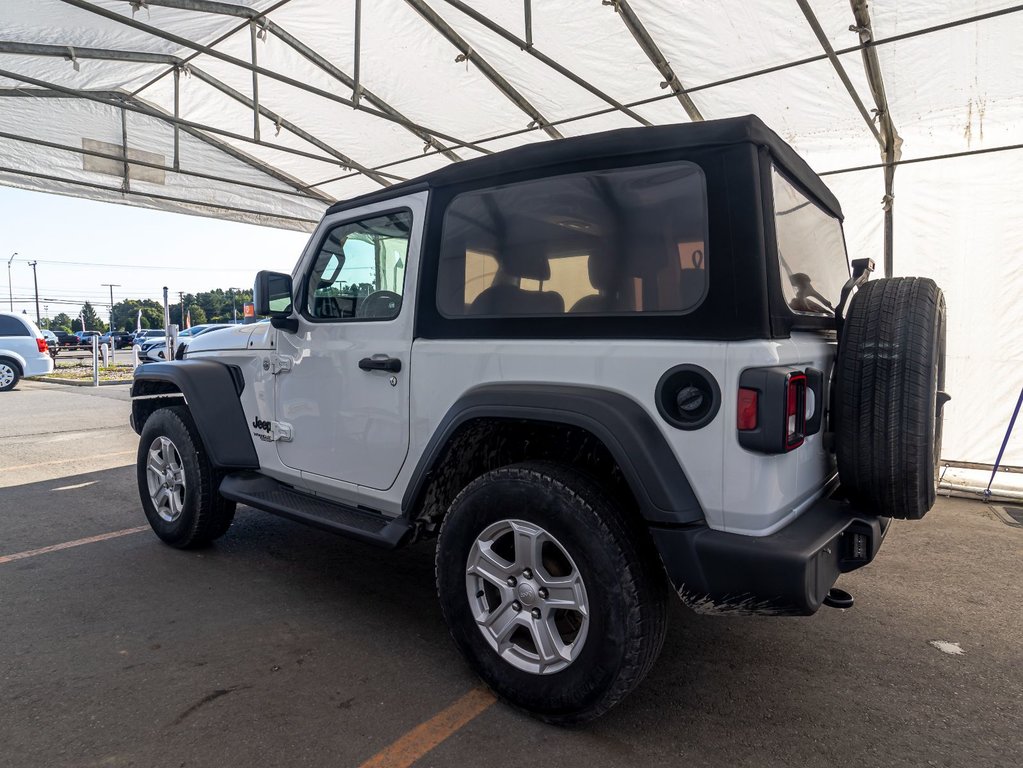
(342, 390)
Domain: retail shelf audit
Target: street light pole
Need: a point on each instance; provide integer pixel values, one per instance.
(35, 281)
(111, 286)
(10, 285)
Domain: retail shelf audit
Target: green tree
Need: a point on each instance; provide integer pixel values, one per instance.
(61, 322)
(92, 321)
(196, 313)
(126, 312)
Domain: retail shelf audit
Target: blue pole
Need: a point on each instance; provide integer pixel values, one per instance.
(1005, 441)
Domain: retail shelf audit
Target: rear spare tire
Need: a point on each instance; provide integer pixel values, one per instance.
(889, 384)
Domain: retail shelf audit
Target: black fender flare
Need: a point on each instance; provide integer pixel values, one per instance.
(626, 429)
(211, 390)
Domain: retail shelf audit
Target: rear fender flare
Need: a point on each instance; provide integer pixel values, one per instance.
(626, 429)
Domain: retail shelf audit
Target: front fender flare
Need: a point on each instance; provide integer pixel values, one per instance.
(211, 390)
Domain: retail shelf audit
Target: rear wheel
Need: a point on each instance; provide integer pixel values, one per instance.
(890, 382)
(548, 591)
(177, 484)
(10, 374)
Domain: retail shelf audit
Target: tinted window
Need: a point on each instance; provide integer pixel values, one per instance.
(605, 242)
(811, 251)
(12, 326)
(360, 269)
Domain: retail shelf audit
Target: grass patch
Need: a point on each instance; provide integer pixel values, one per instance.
(82, 371)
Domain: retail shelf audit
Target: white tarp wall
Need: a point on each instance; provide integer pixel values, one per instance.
(442, 81)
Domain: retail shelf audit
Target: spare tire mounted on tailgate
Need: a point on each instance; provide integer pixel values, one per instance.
(890, 377)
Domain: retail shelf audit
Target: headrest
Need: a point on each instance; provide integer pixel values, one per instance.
(525, 260)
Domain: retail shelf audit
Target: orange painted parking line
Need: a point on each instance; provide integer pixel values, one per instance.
(70, 544)
(424, 737)
(65, 461)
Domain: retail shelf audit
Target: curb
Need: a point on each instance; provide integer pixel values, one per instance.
(73, 383)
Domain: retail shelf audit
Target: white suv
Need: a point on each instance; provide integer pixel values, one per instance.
(599, 371)
(23, 350)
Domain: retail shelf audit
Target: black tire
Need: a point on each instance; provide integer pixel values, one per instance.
(14, 370)
(890, 381)
(205, 514)
(624, 582)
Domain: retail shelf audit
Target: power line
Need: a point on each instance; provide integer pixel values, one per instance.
(141, 266)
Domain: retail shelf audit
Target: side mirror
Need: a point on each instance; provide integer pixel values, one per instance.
(271, 296)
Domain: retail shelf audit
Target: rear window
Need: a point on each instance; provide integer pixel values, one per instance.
(619, 241)
(12, 326)
(811, 251)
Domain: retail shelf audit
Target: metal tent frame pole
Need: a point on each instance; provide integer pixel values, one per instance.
(649, 47)
(467, 54)
(160, 167)
(247, 66)
(891, 143)
(155, 196)
(527, 47)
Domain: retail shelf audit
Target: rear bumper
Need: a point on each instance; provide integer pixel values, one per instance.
(786, 573)
(38, 365)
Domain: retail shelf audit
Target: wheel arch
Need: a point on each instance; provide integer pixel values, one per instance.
(211, 390)
(616, 423)
(14, 357)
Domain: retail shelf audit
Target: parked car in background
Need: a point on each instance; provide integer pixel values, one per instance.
(52, 341)
(140, 337)
(23, 350)
(65, 339)
(116, 339)
(85, 338)
(155, 350)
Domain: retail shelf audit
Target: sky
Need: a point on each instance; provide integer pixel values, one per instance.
(81, 244)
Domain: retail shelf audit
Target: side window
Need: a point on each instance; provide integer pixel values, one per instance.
(359, 272)
(618, 241)
(12, 326)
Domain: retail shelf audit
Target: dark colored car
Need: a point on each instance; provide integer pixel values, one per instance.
(66, 339)
(117, 339)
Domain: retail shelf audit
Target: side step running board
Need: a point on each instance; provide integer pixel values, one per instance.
(269, 495)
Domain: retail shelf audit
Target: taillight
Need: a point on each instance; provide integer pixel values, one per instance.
(746, 412)
(43, 346)
(795, 410)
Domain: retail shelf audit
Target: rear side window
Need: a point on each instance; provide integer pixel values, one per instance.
(811, 251)
(619, 241)
(12, 326)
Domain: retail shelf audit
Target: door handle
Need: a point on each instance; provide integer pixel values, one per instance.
(380, 363)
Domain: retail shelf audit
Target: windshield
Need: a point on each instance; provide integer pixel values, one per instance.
(811, 251)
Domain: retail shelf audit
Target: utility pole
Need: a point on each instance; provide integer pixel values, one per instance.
(10, 285)
(181, 309)
(35, 281)
(111, 286)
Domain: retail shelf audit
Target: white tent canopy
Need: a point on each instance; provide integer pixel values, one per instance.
(267, 110)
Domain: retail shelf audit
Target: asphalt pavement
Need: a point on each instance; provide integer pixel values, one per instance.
(285, 646)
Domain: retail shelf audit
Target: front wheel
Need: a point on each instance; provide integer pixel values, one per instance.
(177, 484)
(556, 601)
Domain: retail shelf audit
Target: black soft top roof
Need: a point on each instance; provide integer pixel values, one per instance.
(610, 144)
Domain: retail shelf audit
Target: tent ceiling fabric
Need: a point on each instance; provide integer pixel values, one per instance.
(265, 111)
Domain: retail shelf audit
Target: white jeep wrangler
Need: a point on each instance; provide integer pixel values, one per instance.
(598, 370)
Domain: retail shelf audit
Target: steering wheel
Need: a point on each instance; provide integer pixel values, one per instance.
(379, 304)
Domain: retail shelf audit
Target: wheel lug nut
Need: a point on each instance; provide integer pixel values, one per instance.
(536, 613)
(527, 574)
(516, 606)
(543, 593)
(511, 581)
